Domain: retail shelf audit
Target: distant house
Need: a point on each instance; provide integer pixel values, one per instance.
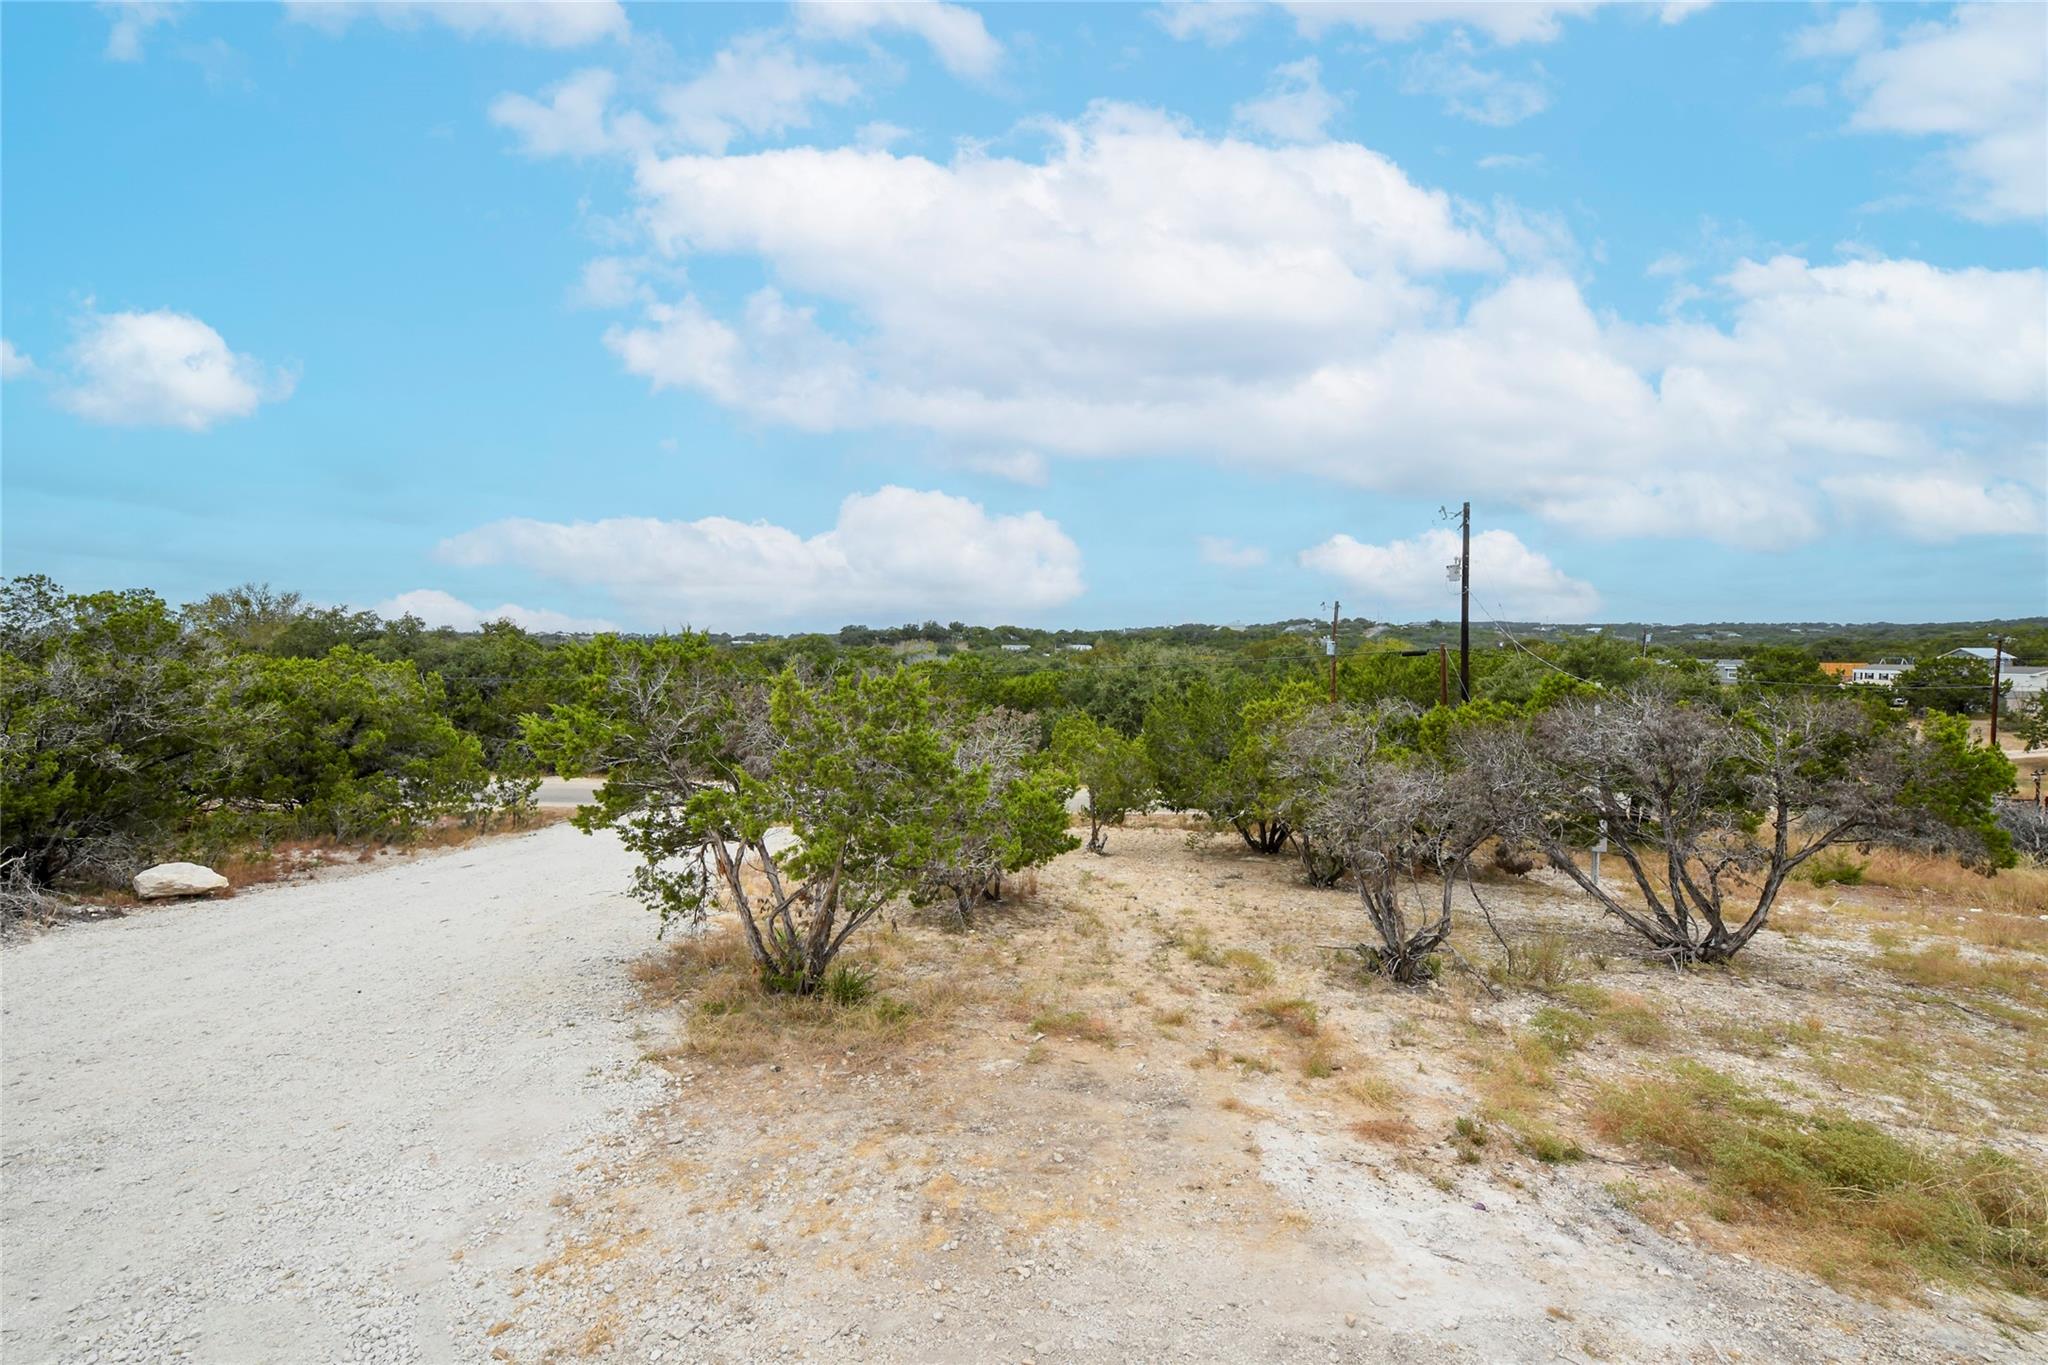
(1982, 653)
(2027, 680)
(1726, 670)
(1080, 648)
(1015, 649)
(1883, 673)
(1839, 671)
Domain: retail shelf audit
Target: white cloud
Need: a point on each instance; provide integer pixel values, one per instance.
(894, 552)
(1295, 107)
(162, 369)
(1218, 23)
(1504, 24)
(609, 282)
(1509, 579)
(880, 134)
(1846, 31)
(1940, 507)
(1978, 79)
(1226, 553)
(1141, 290)
(132, 19)
(438, 608)
(533, 23)
(14, 364)
(1027, 467)
(956, 34)
(1474, 92)
(1512, 161)
(757, 86)
(570, 123)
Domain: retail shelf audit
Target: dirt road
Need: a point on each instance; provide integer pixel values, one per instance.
(313, 1122)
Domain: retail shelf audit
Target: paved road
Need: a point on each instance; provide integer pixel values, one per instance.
(262, 1129)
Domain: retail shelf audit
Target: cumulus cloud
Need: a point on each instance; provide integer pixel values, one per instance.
(1295, 107)
(14, 364)
(1226, 553)
(532, 23)
(757, 86)
(1139, 289)
(437, 608)
(891, 553)
(956, 34)
(162, 369)
(1511, 580)
(1939, 507)
(132, 20)
(1977, 79)
(571, 122)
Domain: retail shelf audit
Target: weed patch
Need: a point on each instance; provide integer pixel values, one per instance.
(1905, 1210)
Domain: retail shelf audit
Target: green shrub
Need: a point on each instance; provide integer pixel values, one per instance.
(1835, 869)
(849, 984)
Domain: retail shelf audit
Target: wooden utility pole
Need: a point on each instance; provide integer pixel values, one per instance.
(1465, 607)
(1997, 677)
(1333, 649)
(1443, 675)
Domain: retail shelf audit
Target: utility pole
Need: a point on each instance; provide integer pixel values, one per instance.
(1333, 649)
(1465, 607)
(1997, 676)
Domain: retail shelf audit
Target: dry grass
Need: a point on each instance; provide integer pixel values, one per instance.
(2015, 890)
(1076, 1024)
(1195, 956)
(731, 1020)
(288, 859)
(1857, 1204)
(1295, 1016)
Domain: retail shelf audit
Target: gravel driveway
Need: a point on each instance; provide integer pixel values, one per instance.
(313, 1122)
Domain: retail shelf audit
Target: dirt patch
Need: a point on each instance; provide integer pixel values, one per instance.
(1148, 1113)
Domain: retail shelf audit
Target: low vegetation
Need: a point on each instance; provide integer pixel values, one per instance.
(1953, 1215)
(845, 841)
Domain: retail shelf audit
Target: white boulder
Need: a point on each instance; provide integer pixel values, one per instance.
(177, 879)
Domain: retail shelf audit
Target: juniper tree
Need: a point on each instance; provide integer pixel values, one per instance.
(1113, 771)
(1708, 815)
(1393, 816)
(1016, 819)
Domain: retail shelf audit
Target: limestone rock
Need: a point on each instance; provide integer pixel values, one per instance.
(177, 879)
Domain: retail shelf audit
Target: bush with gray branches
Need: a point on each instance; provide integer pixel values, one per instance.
(1709, 814)
(1393, 817)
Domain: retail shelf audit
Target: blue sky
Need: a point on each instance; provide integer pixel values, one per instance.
(778, 317)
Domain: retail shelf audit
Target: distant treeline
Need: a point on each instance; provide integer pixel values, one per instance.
(135, 728)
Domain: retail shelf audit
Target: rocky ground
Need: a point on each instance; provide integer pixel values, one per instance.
(462, 1108)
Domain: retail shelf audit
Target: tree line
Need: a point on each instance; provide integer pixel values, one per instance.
(135, 730)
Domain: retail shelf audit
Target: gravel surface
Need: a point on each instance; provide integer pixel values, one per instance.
(316, 1122)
